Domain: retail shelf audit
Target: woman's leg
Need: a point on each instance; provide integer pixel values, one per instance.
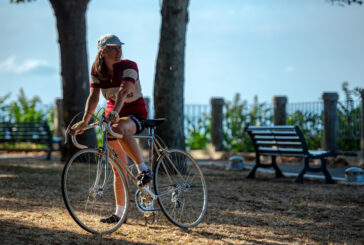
(118, 184)
(127, 128)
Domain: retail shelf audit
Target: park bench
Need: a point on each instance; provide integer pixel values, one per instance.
(33, 132)
(285, 141)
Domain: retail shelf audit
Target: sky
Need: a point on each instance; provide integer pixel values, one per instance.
(297, 49)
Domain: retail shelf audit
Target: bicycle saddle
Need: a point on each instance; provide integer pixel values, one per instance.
(151, 123)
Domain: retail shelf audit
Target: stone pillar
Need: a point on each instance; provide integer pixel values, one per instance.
(361, 152)
(216, 123)
(330, 121)
(279, 103)
(58, 118)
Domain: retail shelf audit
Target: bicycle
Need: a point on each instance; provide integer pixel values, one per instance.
(178, 184)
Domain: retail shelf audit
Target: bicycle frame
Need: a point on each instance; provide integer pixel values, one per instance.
(154, 145)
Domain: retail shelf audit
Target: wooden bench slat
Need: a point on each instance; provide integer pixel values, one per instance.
(277, 138)
(277, 154)
(274, 133)
(281, 150)
(15, 127)
(284, 141)
(279, 143)
(45, 141)
(18, 128)
(285, 127)
(27, 132)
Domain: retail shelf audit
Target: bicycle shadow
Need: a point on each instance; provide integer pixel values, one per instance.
(14, 232)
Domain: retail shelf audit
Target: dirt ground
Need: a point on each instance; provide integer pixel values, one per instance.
(264, 210)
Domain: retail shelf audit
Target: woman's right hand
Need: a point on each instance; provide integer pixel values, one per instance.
(77, 128)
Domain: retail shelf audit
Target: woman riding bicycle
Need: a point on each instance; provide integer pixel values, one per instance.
(118, 80)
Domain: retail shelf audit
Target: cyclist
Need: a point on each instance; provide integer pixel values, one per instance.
(118, 80)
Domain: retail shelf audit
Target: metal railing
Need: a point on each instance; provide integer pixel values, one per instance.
(196, 112)
(349, 120)
(308, 115)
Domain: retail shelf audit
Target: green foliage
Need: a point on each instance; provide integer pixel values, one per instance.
(97, 117)
(237, 117)
(4, 107)
(311, 126)
(238, 114)
(349, 119)
(198, 135)
(50, 112)
(26, 110)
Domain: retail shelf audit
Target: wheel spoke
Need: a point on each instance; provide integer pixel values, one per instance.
(186, 203)
(88, 190)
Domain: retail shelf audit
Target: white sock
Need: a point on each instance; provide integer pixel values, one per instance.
(141, 167)
(119, 210)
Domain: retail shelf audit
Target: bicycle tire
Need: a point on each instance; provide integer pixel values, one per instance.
(88, 200)
(178, 174)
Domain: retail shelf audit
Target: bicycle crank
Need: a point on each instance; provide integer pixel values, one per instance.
(146, 207)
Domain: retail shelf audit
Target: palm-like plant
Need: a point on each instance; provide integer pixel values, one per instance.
(237, 116)
(349, 119)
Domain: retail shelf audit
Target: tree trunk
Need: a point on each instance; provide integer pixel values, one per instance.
(169, 78)
(71, 25)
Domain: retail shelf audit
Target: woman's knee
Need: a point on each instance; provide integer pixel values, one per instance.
(123, 127)
(117, 128)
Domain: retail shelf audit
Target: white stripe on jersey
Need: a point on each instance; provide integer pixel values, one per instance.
(130, 73)
(94, 80)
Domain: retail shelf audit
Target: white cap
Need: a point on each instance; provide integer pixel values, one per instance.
(108, 40)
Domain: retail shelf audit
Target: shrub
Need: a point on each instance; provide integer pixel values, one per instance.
(311, 126)
(26, 109)
(237, 116)
(198, 135)
(349, 119)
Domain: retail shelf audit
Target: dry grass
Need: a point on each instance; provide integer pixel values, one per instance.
(240, 211)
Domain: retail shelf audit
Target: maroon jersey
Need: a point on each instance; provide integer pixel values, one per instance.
(125, 70)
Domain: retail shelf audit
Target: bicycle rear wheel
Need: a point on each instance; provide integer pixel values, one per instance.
(181, 188)
(88, 190)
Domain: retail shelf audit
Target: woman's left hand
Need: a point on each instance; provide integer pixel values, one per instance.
(113, 117)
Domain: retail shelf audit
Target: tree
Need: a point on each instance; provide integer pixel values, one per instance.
(71, 25)
(342, 2)
(169, 76)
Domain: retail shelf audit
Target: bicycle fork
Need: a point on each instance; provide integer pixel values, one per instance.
(97, 188)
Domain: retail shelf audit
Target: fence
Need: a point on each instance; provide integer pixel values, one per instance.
(349, 120)
(195, 113)
(308, 115)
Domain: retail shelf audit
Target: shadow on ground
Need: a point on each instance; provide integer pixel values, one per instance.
(264, 210)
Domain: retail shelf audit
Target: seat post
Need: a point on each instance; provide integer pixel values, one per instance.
(151, 131)
(151, 143)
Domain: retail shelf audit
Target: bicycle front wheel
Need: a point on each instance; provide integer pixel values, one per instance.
(181, 188)
(88, 190)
